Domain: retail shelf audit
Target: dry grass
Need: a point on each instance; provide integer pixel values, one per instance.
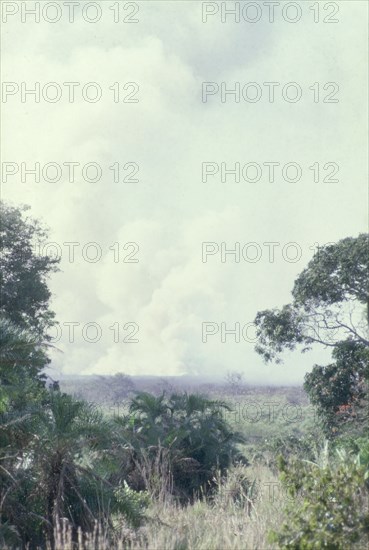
(220, 523)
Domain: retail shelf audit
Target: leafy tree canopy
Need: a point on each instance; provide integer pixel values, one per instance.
(340, 390)
(24, 271)
(329, 297)
(22, 359)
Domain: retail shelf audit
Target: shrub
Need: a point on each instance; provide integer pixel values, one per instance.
(182, 440)
(327, 504)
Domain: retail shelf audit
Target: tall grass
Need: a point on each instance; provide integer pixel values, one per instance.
(237, 517)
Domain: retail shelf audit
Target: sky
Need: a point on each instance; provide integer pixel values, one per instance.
(149, 206)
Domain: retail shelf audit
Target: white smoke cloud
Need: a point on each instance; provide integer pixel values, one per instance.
(170, 292)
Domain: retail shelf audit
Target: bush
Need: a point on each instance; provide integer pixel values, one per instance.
(327, 503)
(177, 443)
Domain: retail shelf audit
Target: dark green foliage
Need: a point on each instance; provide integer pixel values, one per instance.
(22, 359)
(132, 503)
(326, 505)
(22, 394)
(278, 330)
(24, 271)
(187, 431)
(338, 272)
(340, 390)
(64, 474)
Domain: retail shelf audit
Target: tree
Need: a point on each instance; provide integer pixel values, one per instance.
(22, 359)
(24, 271)
(340, 390)
(54, 452)
(329, 298)
(68, 485)
(24, 319)
(65, 475)
(22, 394)
(329, 301)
